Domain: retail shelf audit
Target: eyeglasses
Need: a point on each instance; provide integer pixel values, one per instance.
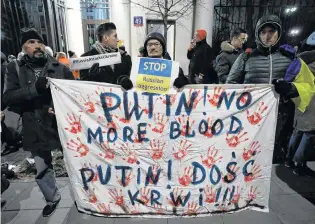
(156, 44)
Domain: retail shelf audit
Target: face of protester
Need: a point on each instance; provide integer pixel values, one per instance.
(268, 36)
(238, 42)
(111, 39)
(197, 37)
(34, 48)
(154, 48)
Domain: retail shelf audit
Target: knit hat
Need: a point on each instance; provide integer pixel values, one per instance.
(30, 33)
(202, 34)
(155, 36)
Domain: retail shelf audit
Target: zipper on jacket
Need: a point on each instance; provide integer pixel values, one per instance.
(270, 75)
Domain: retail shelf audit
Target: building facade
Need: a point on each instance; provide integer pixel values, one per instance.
(47, 16)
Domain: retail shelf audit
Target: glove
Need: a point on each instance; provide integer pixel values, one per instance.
(282, 87)
(41, 84)
(199, 79)
(180, 81)
(126, 84)
(95, 69)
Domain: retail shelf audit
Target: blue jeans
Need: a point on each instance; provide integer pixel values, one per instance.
(299, 145)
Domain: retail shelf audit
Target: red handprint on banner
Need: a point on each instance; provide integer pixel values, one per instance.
(128, 179)
(214, 100)
(229, 177)
(186, 179)
(211, 158)
(237, 195)
(87, 103)
(74, 122)
(103, 208)
(235, 139)
(142, 136)
(252, 151)
(146, 109)
(95, 178)
(145, 195)
(185, 124)
(158, 209)
(135, 209)
(197, 99)
(78, 146)
(131, 154)
(257, 116)
(108, 99)
(182, 151)
(157, 147)
(176, 193)
(208, 132)
(172, 99)
(108, 153)
(160, 120)
(254, 174)
(90, 194)
(117, 197)
(210, 195)
(103, 121)
(192, 208)
(155, 170)
(253, 193)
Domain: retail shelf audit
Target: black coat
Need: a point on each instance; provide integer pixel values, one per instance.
(106, 74)
(201, 62)
(127, 63)
(20, 94)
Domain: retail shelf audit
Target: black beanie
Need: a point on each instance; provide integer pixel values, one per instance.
(155, 36)
(27, 34)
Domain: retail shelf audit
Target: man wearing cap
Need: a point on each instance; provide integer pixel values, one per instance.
(27, 92)
(155, 47)
(264, 64)
(200, 55)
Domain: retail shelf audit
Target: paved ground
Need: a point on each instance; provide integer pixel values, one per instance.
(292, 201)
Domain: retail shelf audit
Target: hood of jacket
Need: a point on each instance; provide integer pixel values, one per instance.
(227, 47)
(308, 56)
(269, 19)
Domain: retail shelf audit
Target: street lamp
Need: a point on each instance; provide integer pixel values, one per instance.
(294, 32)
(290, 10)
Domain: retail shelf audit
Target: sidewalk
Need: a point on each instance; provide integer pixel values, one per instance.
(292, 201)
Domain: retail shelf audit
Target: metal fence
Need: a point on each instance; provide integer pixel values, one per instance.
(47, 16)
(297, 15)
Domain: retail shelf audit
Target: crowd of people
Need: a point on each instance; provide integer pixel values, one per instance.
(26, 91)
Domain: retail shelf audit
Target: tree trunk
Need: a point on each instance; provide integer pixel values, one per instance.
(165, 21)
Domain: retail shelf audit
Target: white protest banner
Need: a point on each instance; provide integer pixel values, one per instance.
(87, 62)
(154, 75)
(205, 150)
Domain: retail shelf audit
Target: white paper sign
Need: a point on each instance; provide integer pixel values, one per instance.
(102, 59)
(202, 151)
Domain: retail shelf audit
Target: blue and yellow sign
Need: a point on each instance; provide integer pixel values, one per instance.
(154, 75)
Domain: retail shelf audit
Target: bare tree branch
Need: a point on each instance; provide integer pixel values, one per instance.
(138, 4)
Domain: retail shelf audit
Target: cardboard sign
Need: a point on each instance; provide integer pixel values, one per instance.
(87, 62)
(154, 75)
(202, 151)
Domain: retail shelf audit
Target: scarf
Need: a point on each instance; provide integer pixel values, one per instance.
(102, 49)
(36, 64)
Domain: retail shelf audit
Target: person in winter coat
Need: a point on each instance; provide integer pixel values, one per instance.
(126, 59)
(261, 66)
(27, 91)
(200, 56)
(230, 50)
(155, 47)
(107, 43)
(302, 140)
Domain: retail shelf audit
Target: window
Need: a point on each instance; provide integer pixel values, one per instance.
(91, 26)
(89, 10)
(42, 21)
(40, 8)
(89, 17)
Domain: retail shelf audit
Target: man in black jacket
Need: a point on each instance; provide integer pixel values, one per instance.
(126, 59)
(230, 50)
(27, 91)
(107, 43)
(200, 55)
(264, 64)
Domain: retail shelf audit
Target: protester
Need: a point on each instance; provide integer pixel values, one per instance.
(107, 43)
(154, 47)
(126, 59)
(200, 55)
(230, 50)
(261, 66)
(11, 58)
(27, 90)
(72, 54)
(302, 140)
